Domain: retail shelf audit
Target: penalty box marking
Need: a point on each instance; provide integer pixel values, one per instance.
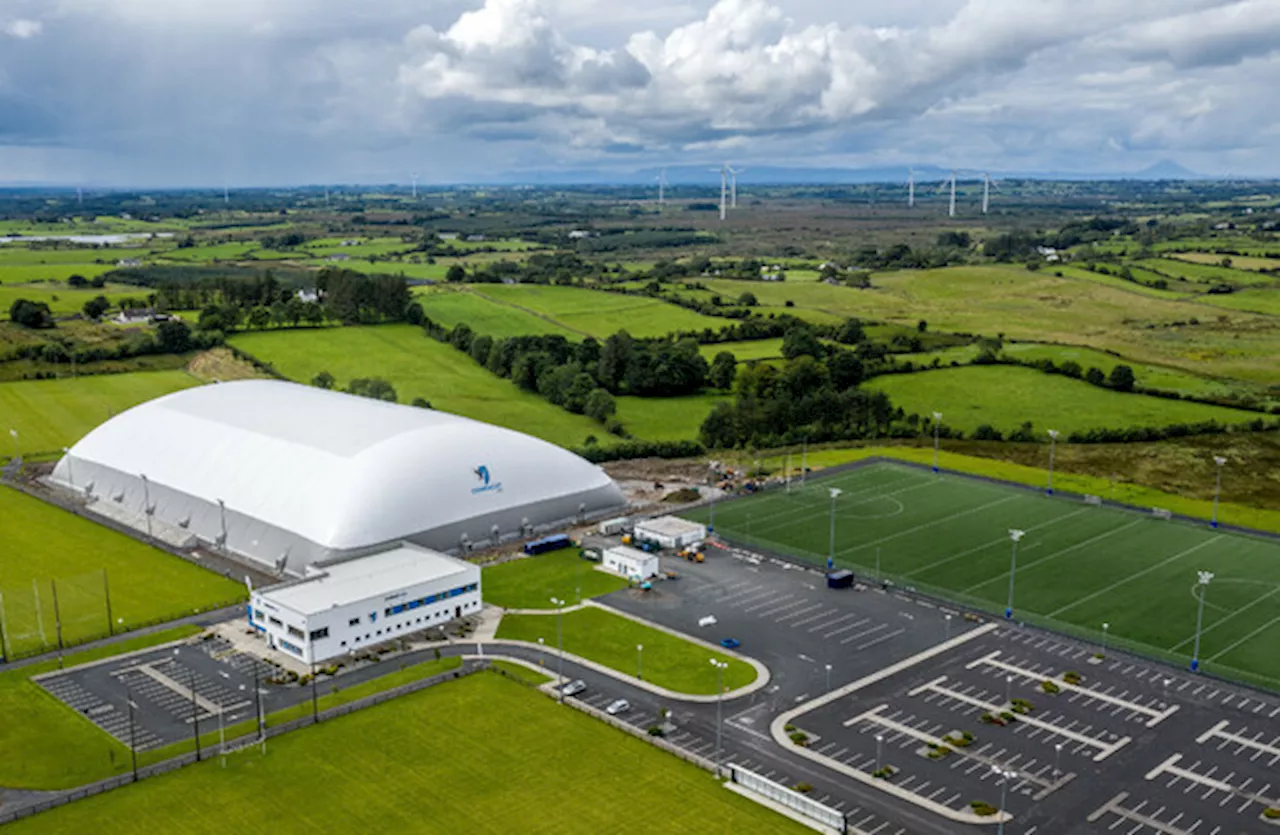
(1157, 716)
(1104, 749)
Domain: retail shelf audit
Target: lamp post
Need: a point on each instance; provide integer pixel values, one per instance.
(1014, 535)
(559, 604)
(720, 666)
(315, 706)
(1057, 760)
(831, 554)
(828, 678)
(542, 652)
(1167, 682)
(1053, 442)
(947, 618)
(937, 421)
(1105, 628)
(195, 713)
(222, 727)
(1005, 777)
(1217, 489)
(640, 661)
(879, 749)
(13, 433)
(133, 745)
(1008, 689)
(1203, 578)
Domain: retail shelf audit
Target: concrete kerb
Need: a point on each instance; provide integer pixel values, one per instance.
(786, 811)
(777, 730)
(111, 659)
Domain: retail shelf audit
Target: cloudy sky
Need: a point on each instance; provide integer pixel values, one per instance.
(177, 92)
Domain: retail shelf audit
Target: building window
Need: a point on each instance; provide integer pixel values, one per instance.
(275, 621)
(353, 622)
(295, 631)
(344, 643)
(258, 615)
(317, 634)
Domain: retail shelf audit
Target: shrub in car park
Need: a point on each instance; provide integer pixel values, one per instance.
(1050, 687)
(1021, 706)
(800, 738)
(992, 719)
(656, 730)
(1072, 677)
(803, 788)
(884, 772)
(982, 808)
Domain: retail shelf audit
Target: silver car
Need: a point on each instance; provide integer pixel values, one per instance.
(574, 687)
(619, 706)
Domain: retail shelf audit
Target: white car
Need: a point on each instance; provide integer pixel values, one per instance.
(574, 687)
(709, 620)
(619, 706)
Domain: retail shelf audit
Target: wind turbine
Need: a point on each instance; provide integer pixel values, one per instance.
(413, 177)
(80, 195)
(986, 192)
(662, 186)
(952, 211)
(733, 184)
(724, 188)
(911, 188)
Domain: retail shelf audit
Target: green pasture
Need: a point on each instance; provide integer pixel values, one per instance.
(531, 582)
(1208, 273)
(451, 307)
(745, 351)
(1254, 300)
(18, 255)
(24, 273)
(417, 366)
(1078, 566)
(407, 763)
(666, 418)
(1006, 396)
(1118, 283)
(601, 636)
(596, 313)
(409, 269)
(1239, 262)
(51, 414)
(64, 300)
(51, 545)
(228, 251)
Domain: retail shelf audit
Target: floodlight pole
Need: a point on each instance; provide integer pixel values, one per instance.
(828, 678)
(879, 747)
(640, 661)
(1014, 535)
(195, 713)
(1005, 776)
(1105, 629)
(559, 604)
(1217, 489)
(719, 665)
(1053, 442)
(831, 555)
(133, 747)
(937, 422)
(1202, 580)
(13, 433)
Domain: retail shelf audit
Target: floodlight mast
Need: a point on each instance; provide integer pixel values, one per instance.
(1217, 489)
(1015, 536)
(1203, 578)
(831, 555)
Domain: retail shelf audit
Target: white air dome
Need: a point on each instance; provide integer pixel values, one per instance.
(274, 470)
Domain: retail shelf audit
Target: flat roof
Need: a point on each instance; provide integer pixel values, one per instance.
(671, 526)
(631, 553)
(365, 578)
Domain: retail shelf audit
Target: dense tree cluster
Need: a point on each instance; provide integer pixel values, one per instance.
(355, 298)
(30, 314)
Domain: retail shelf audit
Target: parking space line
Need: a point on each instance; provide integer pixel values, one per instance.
(754, 607)
(853, 625)
(1105, 749)
(1217, 730)
(783, 608)
(830, 622)
(1170, 766)
(1157, 716)
(811, 619)
(855, 636)
(875, 641)
(797, 613)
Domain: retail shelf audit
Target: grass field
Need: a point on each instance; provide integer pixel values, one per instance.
(433, 761)
(450, 307)
(44, 543)
(1240, 262)
(1254, 300)
(599, 314)
(1206, 273)
(1005, 396)
(610, 639)
(64, 300)
(754, 349)
(1078, 566)
(60, 748)
(51, 414)
(418, 367)
(531, 582)
(666, 418)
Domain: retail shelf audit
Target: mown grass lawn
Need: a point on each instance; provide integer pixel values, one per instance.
(609, 639)
(1006, 396)
(64, 300)
(452, 307)
(43, 543)
(600, 314)
(51, 414)
(531, 582)
(482, 754)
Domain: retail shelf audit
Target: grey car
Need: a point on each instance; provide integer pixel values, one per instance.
(574, 687)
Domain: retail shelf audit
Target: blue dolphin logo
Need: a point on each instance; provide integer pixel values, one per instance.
(482, 473)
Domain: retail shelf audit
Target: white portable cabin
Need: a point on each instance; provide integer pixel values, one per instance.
(631, 563)
(612, 527)
(671, 532)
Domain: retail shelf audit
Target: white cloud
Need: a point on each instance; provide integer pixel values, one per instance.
(23, 29)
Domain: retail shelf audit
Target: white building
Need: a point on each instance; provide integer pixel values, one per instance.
(631, 563)
(670, 532)
(286, 475)
(359, 602)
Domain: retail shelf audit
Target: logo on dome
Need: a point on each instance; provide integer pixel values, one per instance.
(487, 485)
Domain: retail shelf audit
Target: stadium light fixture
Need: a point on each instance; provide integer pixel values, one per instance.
(1015, 535)
(1217, 489)
(1053, 442)
(1203, 578)
(559, 604)
(1005, 777)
